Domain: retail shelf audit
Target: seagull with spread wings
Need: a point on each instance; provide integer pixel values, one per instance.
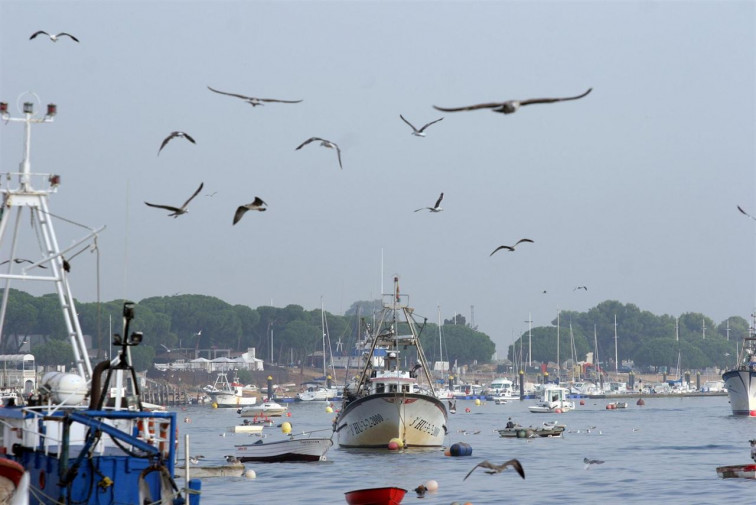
(436, 207)
(253, 101)
(420, 132)
(511, 106)
(325, 143)
(585, 288)
(511, 247)
(257, 204)
(174, 135)
(177, 211)
(492, 469)
(54, 37)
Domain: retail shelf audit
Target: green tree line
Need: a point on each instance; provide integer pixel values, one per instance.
(203, 322)
(642, 337)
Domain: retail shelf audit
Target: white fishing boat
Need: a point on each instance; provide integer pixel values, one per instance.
(270, 409)
(552, 400)
(225, 394)
(84, 436)
(387, 402)
(291, 449)
(741, 380)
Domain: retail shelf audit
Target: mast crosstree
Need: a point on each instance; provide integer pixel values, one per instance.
(20, 196)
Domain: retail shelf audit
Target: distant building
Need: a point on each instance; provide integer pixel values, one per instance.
(245, 361)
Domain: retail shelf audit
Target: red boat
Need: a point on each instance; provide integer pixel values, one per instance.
(376, 496)
(747, 471)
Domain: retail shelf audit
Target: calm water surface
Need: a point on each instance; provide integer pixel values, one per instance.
(664, 452)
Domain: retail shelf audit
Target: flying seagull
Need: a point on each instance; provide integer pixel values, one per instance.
(415, 131)
(511, 247)
(54, 38)
(177, 211)
(22, 260)
(492, 469)
(581, 287)
(436, 207)
(253, 101)
(258, 204)
(745, 213)
(172, 135)
(165, 347)
(510, 106)
(324, 143)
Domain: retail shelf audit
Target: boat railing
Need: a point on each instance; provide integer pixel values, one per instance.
(148, 433)
(52, 180)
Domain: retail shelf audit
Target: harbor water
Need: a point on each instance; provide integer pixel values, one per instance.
(666, 452)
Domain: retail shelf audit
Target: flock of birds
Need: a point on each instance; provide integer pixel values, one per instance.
(506, 107)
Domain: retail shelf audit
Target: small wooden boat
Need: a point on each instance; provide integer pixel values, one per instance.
(270, 409)
(203, 472)
(245, 428)
(747, 471)
(291, 449)
(550, 430)
(616, 405)
(376, 496)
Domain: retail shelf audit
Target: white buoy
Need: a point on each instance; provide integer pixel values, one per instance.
(431, 486)
(250, 474)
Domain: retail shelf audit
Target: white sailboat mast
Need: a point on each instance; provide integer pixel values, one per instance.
(616, 362)
(557, 361)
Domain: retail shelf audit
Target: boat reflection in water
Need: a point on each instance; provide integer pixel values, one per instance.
(387, 403)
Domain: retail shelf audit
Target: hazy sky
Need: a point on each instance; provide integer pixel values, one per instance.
(630, 191)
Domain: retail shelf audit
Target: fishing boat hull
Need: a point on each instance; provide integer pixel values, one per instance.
(741, 388)
(375, 496)
(295, 449)
(747, 471)
(372, 421)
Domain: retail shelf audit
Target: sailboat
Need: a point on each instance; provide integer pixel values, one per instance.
(387, 402)
(313, 390)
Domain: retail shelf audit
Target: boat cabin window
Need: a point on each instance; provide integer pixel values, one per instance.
(380, 387)
(392, 388)
(405, 388)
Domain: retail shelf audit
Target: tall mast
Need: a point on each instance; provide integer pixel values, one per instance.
(557, 361)
(530, 339)
(616, 363)
(25, 197)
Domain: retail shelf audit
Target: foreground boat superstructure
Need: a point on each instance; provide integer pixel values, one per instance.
(387, 402)
(741, 380)
(84, 437)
